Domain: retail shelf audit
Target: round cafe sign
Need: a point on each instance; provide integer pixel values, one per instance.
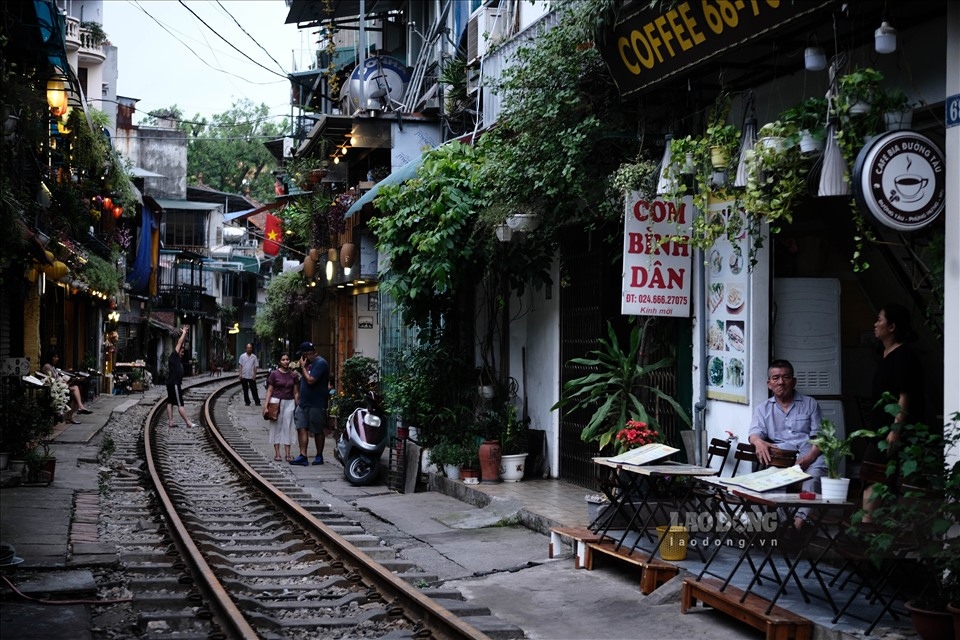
(899, 177)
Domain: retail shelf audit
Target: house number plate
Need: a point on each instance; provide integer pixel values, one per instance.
(953, 110)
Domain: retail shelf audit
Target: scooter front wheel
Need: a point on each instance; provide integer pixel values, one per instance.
(361, 470)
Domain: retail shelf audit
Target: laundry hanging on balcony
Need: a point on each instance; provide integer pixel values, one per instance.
(143, 275)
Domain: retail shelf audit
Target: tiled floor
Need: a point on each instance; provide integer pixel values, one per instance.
(555, 500)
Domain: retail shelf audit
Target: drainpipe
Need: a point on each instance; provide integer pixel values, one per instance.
(700, 305)
(362, 54)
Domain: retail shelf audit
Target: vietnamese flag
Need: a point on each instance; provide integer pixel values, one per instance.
(271, 243)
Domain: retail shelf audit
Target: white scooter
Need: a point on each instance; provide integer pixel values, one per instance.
(360, 447)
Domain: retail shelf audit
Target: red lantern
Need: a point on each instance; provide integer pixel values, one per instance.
(107, 204)
(117, 211)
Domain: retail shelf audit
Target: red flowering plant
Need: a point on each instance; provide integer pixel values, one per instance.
(637, 434)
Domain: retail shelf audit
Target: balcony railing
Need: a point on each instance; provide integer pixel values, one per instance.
(82, 40)
(73, 34)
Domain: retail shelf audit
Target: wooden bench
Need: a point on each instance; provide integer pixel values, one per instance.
(779, 624)
(579, 536)
(654, 572)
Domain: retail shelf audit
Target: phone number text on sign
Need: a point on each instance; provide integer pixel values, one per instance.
(656, 257)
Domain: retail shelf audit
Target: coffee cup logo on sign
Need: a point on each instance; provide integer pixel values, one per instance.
(910, 186)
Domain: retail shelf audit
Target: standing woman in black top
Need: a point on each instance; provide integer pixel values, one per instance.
(175, 379)
(900, 373)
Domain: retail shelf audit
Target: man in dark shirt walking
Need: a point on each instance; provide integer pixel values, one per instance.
(311, 414)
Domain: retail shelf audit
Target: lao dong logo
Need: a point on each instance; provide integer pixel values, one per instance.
(711, 529)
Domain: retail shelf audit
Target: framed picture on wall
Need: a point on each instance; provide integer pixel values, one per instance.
(365, 322)
(372, 302)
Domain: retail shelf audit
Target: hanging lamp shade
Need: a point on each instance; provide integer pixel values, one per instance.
(56, 96)
(56, 270)
(666, 183)
(348, 254)
(331, 259)
(833, 175)
(747, 141)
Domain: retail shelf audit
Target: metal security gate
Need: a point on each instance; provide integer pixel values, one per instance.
(589, 296)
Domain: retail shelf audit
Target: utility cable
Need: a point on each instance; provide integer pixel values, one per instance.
(220, 4)
(199, 57)
(203, 22)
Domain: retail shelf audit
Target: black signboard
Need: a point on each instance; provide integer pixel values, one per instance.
(652, 44)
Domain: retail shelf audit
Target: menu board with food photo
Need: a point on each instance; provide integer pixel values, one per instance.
(727, 320)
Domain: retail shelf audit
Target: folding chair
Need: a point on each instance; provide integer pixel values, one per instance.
(745, 453)
(721, 448)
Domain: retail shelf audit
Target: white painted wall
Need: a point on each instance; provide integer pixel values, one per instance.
(951, 315)
(720, 416)
(535, 326)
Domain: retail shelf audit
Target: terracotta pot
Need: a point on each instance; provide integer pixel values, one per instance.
(954, 609)
(931, 625)
(50, 467)
(490, 462)
(348, 254)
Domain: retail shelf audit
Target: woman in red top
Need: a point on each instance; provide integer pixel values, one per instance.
(283, 387)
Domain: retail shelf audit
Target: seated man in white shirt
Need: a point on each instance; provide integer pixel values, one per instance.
(787, 421)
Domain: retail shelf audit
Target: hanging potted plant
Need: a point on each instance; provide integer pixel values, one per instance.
(810, 119)
(723, 141)
(896, 109)
(857, 90)
(776, 175)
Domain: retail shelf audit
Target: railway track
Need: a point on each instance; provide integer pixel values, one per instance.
(216, 542)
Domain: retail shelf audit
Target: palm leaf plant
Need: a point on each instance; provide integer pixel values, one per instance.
(615, 390)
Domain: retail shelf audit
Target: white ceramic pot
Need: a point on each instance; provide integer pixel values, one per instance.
(809, 144)
(834, 489)
(512, 467)
(859, 107)
(898, 120)
(523, 221)
(777, 143)
(452, 471)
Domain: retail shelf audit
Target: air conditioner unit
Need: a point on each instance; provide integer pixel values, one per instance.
(473, 81)
(487, 27)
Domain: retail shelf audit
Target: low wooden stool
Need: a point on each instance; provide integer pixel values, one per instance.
(653, 572)
(779, 624)
(580, 536)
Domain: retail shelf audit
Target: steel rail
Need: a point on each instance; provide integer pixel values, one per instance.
(224, 609)
(442, 624)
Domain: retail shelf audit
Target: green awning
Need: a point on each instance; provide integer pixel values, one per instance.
(235, 264)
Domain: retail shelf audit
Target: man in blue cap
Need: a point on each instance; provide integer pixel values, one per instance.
(311, 414)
